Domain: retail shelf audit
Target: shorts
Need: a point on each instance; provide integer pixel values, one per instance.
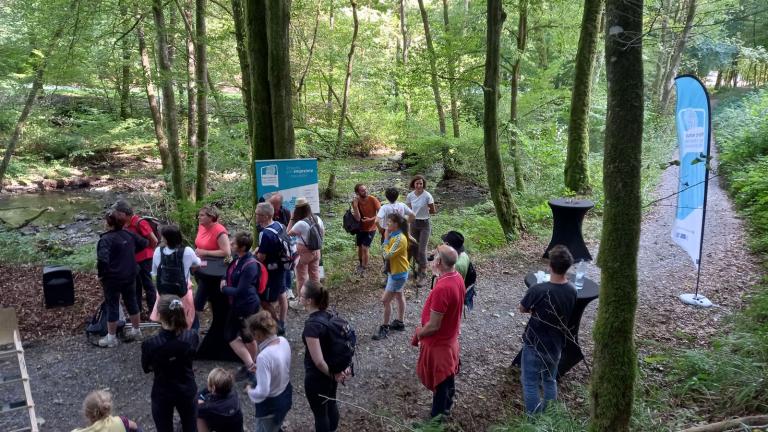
(364, 238)
(236, 327)
(113, 290)
(395, 285)
(275, 286)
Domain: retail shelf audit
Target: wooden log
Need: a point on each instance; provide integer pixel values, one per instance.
(732, 424)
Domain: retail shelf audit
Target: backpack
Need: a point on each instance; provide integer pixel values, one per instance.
(341, 348)
(350, 224)
(288, 254)
(171, 278)
(153, 222)
(96, 326)
(314, 239)
(261, 284)
(470, 282)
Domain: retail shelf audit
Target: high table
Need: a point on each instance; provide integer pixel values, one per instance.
(567, 217)
(571, 354)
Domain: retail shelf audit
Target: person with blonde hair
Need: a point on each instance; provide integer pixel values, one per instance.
(169, 355)
(97, 409)
(218, 406)
(272, 393)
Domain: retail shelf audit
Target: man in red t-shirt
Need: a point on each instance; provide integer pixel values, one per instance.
(364, 208)
(438, 335)
(135, 224)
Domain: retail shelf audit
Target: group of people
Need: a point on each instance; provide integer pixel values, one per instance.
(253, 293)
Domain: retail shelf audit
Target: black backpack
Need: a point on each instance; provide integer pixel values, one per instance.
(350, 224)
(170, 274)
(469, 283)
(343, 340)
(314, 240)
(96, 326)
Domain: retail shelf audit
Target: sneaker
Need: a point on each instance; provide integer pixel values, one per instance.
(291, 295)
(383, 332)
(397, 325)
(132, 334)
(108, 341)
(281, 328)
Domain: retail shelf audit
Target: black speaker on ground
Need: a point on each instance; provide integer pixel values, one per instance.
(58, 286)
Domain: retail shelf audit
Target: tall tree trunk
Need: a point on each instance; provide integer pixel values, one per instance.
(280, 84)
(238, 16)
(504, 202)
(451, 71)
(169, 102)
(576, 164)
(406, 47)
(301, 85)
(615, 358)
(330, 190)
(201, 76)
(514, 141)
(37, 84)
(125, 75)
(329, 99)
(261, 101)
(192, 82)
(154, 107)
(677, 54)
(433, 68)
(662, 59)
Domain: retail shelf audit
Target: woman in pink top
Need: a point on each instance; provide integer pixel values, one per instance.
(212, 241)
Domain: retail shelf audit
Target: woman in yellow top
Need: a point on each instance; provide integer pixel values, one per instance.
(396, 253)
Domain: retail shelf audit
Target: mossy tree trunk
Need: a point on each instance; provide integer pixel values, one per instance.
(514, 140)
(451, 60)
(201, 79)
(504, 202)
(154, 106)
(188, 16)
(433, 68)
(125, 67)
(169, 102)
(576, 164)
(615, 358)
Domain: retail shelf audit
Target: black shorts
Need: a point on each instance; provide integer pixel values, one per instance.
(236, 328)
(364, 238)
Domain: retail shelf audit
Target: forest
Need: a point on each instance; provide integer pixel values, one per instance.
(501, 104)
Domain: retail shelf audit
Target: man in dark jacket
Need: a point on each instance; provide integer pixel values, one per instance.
(117, 270)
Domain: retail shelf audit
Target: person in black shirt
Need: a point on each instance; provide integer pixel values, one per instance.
(550, 305)
(169, 355)
(117, 271)
(218, 408)
(319, 384)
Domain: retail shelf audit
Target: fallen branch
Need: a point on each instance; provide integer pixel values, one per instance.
(33, 218)
(743, 423)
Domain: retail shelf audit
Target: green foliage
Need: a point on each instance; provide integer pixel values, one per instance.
(40, 249)
(557, 418)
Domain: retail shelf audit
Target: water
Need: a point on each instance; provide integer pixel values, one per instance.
(16, 209)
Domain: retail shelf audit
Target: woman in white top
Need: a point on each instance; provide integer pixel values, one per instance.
(423, 205)
(301, 223)
(171, 244)
(273, 394)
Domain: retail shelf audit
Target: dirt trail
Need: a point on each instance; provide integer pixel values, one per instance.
(64, 369)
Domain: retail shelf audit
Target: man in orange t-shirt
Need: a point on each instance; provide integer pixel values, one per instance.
(364, 209)
(134, 223)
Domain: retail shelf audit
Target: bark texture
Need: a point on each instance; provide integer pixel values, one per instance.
(154, 107)
(514, 140)
(201, 78)
(615, 357)
(433, 68)
(506, 210)
(576, 164)
(451, 60)
(280, 85)
(677, 55)
(192, 81)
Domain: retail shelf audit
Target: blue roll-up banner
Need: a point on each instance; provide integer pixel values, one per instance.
(292, 178)
(692, 119)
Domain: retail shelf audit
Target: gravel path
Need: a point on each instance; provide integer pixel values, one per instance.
(386, 392)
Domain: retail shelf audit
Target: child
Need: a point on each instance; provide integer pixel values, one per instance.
(218, 406)
(396, 252)
(177, 261)
(169, 355)
(97, 408)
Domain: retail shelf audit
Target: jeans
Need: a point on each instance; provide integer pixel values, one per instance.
(162, 412)
(420, 230)
(537, 372)
(442, 400)
(326, 411)
(144, 281)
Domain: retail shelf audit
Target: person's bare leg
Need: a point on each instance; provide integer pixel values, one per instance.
(386, 299)
(400, 298)
(241, 351)
(282, 306)
(112, 327)
(202, 426)
(365, 256)
(135, 320)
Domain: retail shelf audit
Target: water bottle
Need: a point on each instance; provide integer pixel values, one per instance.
(578, 281)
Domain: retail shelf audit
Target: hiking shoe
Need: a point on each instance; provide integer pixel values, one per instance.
(383, 332)
(397, 325)
(108, 342)
(132, 334)
(281, 328)
(291, 295)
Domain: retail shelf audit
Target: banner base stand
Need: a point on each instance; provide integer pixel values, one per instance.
(696, 300)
